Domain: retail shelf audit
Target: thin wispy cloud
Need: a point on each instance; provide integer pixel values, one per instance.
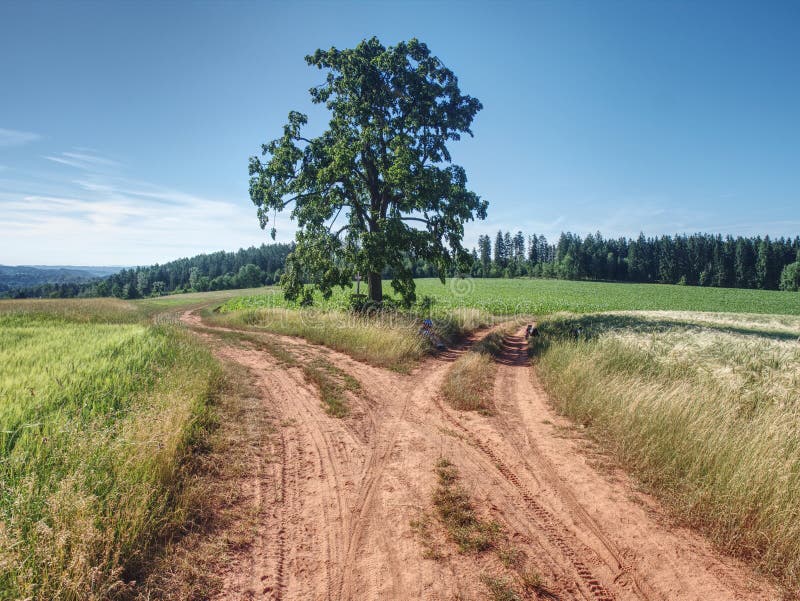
(63, 161)
(90, 159)
(757, 228)
(83, 160)
(105, 217)
(13, 137)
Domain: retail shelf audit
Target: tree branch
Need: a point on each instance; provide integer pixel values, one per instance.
(335, 218)
(291, 200)
(341, 229)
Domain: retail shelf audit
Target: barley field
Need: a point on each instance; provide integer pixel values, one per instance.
(703, 408)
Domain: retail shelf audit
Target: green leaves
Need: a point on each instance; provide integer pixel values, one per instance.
(375, 190)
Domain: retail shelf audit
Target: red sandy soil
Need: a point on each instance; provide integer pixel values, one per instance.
(336, 497)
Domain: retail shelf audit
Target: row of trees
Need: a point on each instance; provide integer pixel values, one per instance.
(246, 268)
(697, 260)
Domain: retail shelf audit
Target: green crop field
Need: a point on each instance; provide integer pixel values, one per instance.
(539, 297)
(98, 407)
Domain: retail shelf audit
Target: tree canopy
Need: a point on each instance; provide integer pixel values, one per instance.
(377, 189)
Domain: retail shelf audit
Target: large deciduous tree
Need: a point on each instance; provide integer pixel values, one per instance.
(377, 189)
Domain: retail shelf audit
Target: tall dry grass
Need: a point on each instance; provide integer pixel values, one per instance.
(704, 410)
(386, 339)
(467, 386)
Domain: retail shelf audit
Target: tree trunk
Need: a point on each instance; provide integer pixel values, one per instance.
(375, 287)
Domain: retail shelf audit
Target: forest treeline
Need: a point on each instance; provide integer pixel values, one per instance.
(245, 268)
(695, 260)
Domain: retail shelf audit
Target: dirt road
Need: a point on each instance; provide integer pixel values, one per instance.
(337, 497)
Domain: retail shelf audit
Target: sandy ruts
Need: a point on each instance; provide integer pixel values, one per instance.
(336, 497)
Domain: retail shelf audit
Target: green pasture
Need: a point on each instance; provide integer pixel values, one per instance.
(540, 297)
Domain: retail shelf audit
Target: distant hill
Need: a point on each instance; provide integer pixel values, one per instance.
(245, 268)
(15, 277)
(98, 271)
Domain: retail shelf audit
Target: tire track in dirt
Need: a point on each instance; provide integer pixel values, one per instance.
(309, 470)
(515, 354)
(554, 529)
(376, 430)
(382, 434)
(363, 506)
(426, 388)
(280, 546)
(257, 560)
(305, 410)
(394, 419)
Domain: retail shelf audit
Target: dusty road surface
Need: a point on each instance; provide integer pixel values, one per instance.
(340, 500)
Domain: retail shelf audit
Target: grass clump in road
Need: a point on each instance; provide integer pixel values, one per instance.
(333, 385)
(259, 341)
(469, 382)
(705, 411)
(483, 539)
(500, 589)
(390, 341)
(454, 509)
(524, 584)
(100, 414)
(423, 528)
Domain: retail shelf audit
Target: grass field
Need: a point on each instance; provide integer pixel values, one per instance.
(704, 409)
(99, 410)
(541, 297)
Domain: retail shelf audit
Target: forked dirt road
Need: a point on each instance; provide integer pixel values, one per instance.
(336, 497)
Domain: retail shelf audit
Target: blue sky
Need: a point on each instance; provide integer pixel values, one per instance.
(125, 128)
